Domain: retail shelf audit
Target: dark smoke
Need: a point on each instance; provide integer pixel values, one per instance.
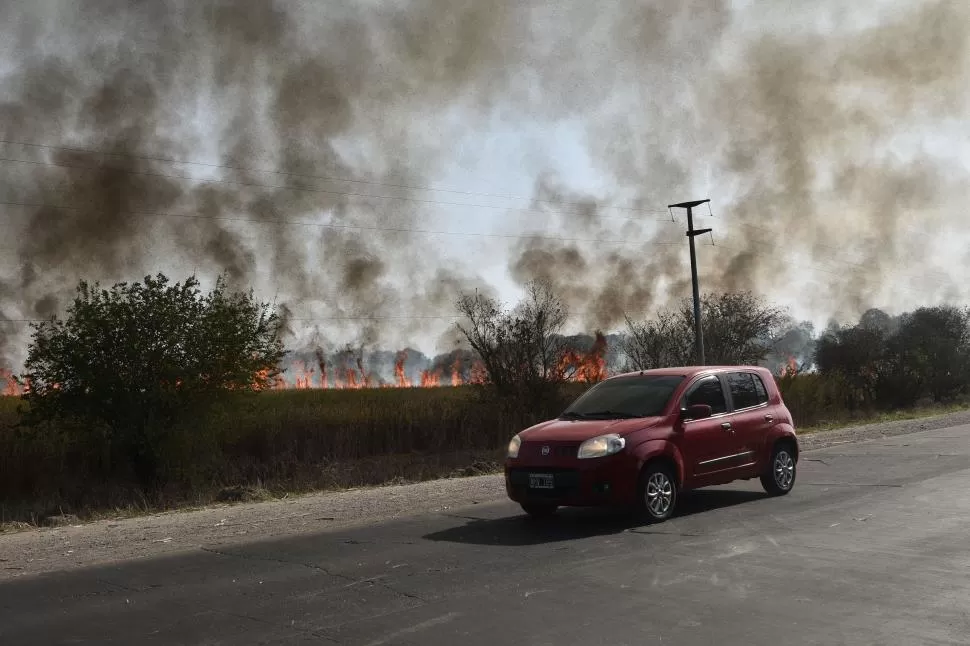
(796, 128)
(258, 85)
(793, 121)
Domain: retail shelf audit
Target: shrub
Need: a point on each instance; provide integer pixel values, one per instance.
(128, 364)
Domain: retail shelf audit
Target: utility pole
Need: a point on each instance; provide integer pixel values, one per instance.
(691, 234)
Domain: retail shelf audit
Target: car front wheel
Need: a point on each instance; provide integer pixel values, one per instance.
(657, 493)
(780, 478)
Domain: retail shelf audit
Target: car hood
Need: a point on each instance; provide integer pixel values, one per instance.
(580, 430)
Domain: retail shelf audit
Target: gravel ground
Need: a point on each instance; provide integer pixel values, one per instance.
(45, 550)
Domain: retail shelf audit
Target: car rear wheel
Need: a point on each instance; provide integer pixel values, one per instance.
(539, 510)
(657, 493)
(780, 477)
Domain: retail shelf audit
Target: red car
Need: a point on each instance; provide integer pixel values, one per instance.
(641, 438)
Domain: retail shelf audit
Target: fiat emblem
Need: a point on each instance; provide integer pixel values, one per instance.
(545, 450)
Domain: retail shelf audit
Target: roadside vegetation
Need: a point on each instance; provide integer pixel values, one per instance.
(155, 395)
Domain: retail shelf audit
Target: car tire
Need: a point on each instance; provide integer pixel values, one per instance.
(780, 477)
(657, 493)
(539, 510)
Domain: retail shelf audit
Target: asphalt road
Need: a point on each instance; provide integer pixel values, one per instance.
(871, 547)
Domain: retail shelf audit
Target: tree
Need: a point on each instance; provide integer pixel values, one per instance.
(134, 359)
(895, 361)
(519, 348)
(739, 329)
(658, 343)
(933, 345)
(856, 354)
(876, 319)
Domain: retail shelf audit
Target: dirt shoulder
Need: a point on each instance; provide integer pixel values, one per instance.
(39, 551)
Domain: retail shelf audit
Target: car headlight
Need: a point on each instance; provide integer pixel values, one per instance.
(598, 447)
(514, 445)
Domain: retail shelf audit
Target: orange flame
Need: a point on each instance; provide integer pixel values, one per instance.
(263, 381)
(791, 368)
(456, 372)
(479, 375)
(353, 375)
(304, 378)
(589, 367)
(10, 386)
(351, 379)
(402, 380)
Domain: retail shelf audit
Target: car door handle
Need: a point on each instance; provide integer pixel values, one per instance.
(726, 426)
(769, 418)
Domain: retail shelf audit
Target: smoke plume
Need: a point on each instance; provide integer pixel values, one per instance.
(293, 146)
(799, 137)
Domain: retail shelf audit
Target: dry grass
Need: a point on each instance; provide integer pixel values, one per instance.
(818, 403)
(300, 441)
(276, 442)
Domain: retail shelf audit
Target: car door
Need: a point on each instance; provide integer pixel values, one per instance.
(710, 446)
(750, 415)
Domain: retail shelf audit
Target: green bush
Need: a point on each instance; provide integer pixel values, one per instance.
(131, 363)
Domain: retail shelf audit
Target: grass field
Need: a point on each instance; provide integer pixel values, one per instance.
(275, 442)
(302, 440)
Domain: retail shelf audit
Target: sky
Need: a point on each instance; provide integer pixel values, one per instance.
(362, 163)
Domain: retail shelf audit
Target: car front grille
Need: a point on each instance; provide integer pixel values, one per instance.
(534, 450)
(565, 482)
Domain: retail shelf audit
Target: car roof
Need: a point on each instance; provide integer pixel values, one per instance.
(686, 371)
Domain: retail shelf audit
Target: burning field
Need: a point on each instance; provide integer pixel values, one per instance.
(350, 368)
(354, 369)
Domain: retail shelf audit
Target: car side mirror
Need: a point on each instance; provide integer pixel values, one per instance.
(696, 411)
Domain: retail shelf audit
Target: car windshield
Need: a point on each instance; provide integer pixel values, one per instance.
(625, 397)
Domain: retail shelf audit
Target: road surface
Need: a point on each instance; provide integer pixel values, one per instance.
(871, 547)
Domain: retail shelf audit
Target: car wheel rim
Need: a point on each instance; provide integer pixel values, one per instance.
(784, 470)
(660, 494)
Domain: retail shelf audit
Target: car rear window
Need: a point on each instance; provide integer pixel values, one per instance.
(637, 396)
(759, 385)
(747, 390)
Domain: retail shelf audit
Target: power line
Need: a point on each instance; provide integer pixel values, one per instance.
(345, 226)
(305, 176)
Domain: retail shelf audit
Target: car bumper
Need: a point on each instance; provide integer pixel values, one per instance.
(578, 483)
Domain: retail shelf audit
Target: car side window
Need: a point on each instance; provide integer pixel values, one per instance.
(708, 391)
(744, 391)
(759, 386)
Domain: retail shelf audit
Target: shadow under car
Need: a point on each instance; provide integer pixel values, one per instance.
(578, 523)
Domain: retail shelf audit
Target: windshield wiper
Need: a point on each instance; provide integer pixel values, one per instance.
(612, 413)
(572, 415)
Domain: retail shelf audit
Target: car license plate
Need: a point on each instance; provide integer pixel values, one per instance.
(541, 481)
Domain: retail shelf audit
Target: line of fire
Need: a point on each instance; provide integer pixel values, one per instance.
(350, 372)
(573, 365)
